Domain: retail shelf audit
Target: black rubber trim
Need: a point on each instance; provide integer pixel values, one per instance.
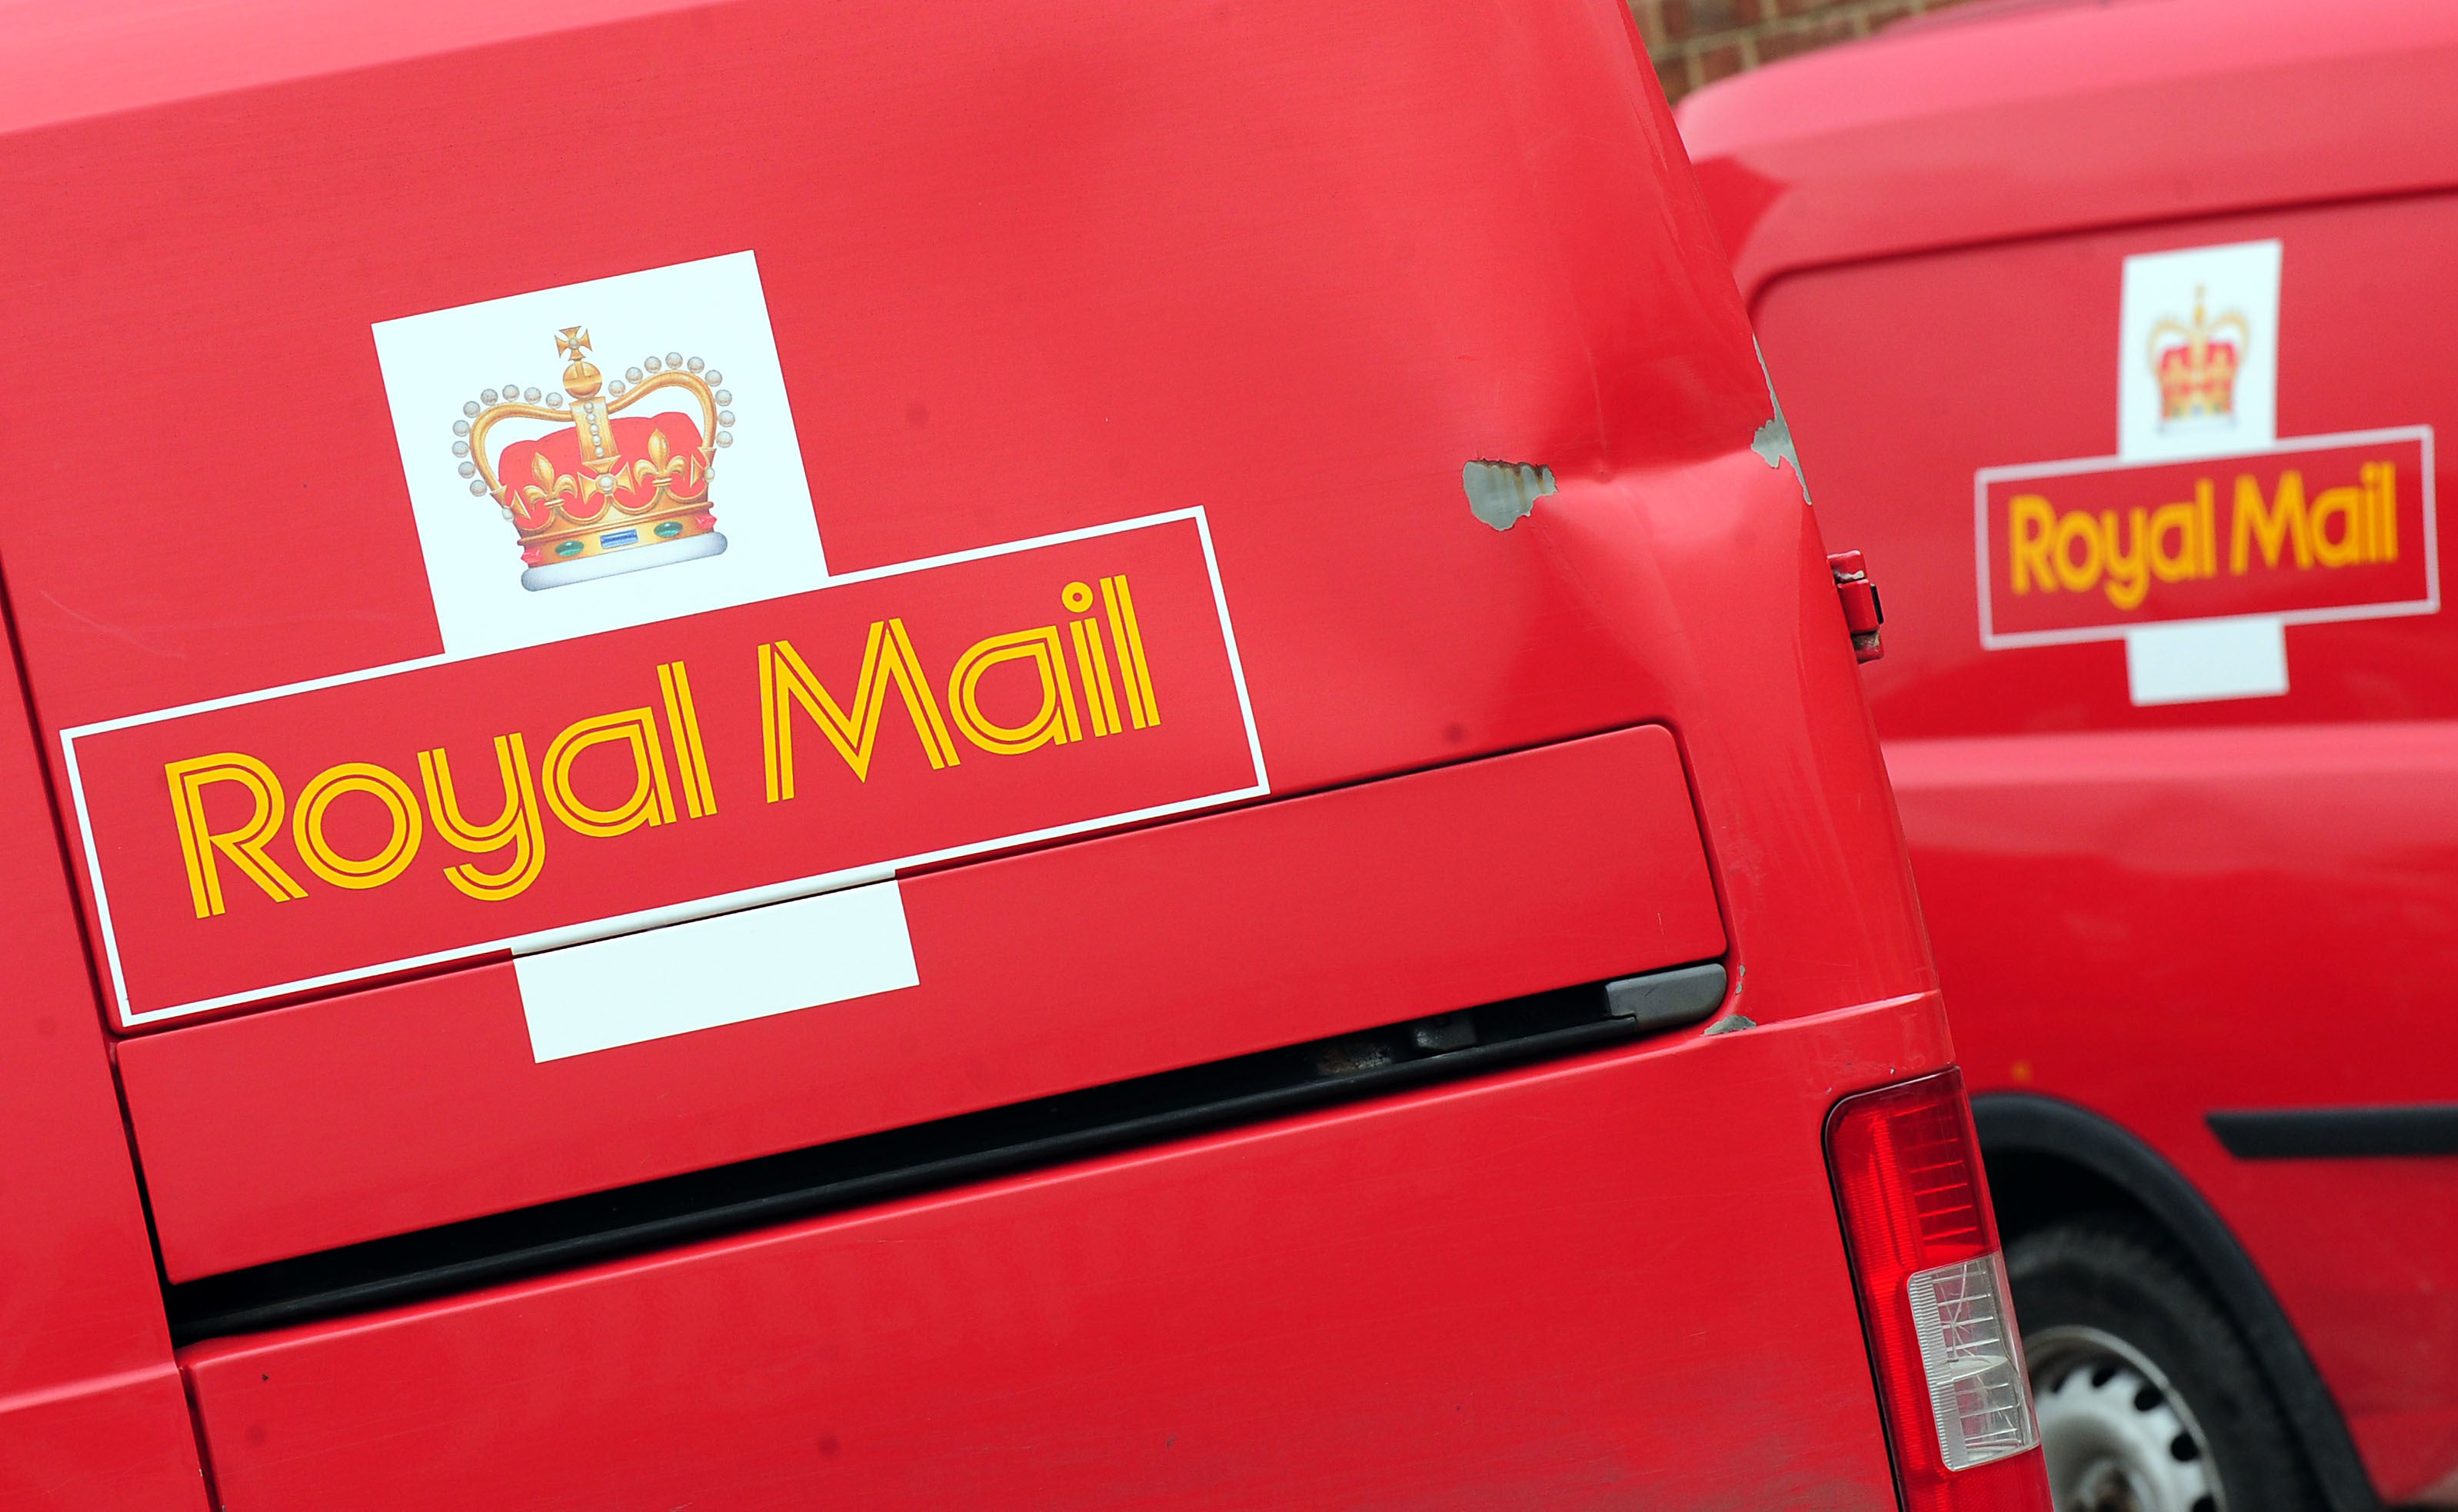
(2023, 1123)
(1661, 999)
(2338, 1134)
(825, 1178)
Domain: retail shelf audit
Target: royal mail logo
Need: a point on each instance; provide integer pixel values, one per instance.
(2320, 528)
(2205, 536)
(2195, 363)
(653, 752)
(613, 478)
(263, 847)
(638, 726)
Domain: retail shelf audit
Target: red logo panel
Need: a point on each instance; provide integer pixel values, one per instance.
(273, 845)
(2329, 528)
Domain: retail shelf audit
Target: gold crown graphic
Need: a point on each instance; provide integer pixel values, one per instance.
(2196, 364)
(611, 479)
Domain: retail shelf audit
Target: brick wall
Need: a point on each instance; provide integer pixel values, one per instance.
(1695, 42)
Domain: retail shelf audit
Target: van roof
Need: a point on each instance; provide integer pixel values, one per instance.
(66, 63)
(2038, 117)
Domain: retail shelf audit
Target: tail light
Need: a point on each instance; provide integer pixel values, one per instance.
(1934, 1301)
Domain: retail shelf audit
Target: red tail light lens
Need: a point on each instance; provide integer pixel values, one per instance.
(1934, 1301)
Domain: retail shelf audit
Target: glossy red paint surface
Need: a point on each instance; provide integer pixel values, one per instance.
(1014, 256)
(2153, 911)
(1468, 1297)
(1028, 272)
(2179, 903)
(91, 1412)
(2057, 118)
(1381, 625)
(308, 1128)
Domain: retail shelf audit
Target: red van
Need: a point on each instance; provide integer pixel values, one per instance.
(1239, 863)
(2115, 335)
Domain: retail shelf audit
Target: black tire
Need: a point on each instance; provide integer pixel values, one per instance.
(2080, 1284)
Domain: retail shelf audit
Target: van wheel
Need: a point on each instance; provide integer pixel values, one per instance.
(2148, 1400)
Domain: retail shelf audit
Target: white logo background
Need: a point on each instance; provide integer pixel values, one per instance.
(712, 309)
(2240, 279)
(2201, 661)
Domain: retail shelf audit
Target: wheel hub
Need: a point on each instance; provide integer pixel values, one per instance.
(2116, 1437)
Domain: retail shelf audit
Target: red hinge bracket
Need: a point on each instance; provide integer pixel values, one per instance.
(1862, 613)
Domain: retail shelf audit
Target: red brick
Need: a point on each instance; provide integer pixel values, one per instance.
(1720, 63)
(1684, 19)
(1750, 32)
(1650, 17)
(1886, 12)
(1673, 73)
(1792, 41)
(1930, 5)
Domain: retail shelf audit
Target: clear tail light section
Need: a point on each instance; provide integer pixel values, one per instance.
(1973, 1360)
(1934, 1301)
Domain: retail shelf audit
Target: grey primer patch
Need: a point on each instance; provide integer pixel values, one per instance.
(1731, 1024)
(1773, 442)
(1502, 493)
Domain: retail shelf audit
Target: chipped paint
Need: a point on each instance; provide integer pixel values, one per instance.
(1773, 441)
(1731, 1024)
(1503, 493)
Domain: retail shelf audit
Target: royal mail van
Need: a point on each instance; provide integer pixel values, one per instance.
(2114, 334)
(1042, 755)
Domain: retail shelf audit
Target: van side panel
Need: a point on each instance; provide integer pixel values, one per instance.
(2165, 911)
(306, 1128)
(91, 1418)
(1472, 1297)
(2211, 920)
